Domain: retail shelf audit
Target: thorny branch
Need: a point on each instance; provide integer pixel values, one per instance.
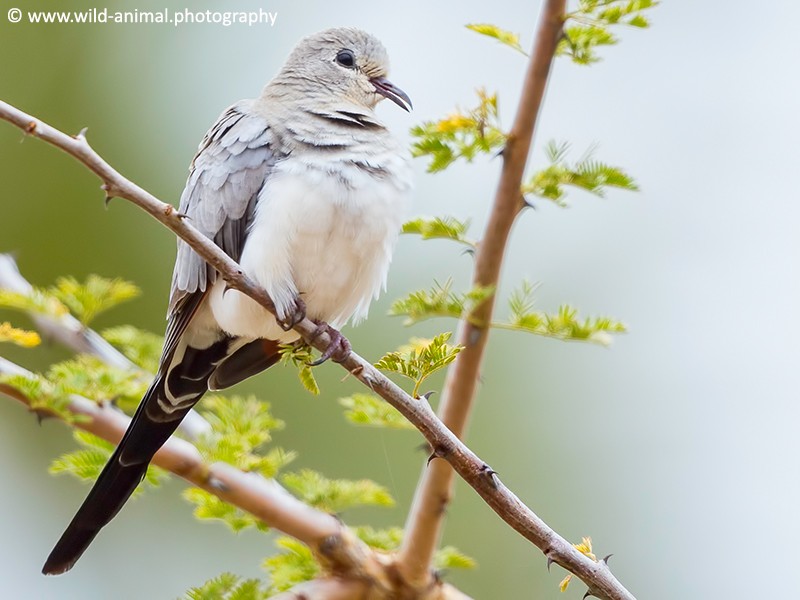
(425, 521)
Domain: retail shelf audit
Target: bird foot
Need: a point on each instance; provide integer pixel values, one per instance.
(294, 315)
(339, 347)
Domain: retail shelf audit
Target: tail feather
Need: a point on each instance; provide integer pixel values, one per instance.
(181, 382)
(173, 393)
(112, 490)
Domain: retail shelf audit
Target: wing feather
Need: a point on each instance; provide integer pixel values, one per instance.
(232, 163)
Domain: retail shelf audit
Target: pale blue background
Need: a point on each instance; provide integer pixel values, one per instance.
(677, 449)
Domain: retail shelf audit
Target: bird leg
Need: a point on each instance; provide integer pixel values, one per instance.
(294, 314)
(339, 347)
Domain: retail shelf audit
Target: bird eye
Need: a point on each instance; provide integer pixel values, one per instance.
(346, 58)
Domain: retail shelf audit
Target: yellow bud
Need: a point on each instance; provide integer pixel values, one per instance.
(26, 339)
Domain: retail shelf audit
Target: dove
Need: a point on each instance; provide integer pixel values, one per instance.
(307, 189)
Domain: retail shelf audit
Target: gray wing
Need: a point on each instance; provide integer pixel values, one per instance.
(226, 175)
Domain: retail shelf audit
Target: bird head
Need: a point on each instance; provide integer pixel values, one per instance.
(343, 65)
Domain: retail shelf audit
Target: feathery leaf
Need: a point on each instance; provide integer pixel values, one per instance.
(96, 295)
(140, 347)
(420, 359)
(439, 301)
(294, 564)
(300, 355)
(448, 228)
(367, 409)
(587, 174)
(227, 586)
(460, 135)
(564, 324)
(336, 495)
(501, 35)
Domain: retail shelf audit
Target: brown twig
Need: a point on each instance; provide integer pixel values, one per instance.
(425, 521)
(597, 576)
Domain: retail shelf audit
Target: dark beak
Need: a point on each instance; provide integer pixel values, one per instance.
(388, 90)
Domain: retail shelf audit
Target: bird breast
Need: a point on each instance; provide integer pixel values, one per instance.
(324, 228)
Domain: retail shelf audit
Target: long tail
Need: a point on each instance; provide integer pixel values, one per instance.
(119, 478)
(172, 394)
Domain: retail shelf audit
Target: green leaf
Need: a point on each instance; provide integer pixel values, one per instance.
(35, 301)
(420, 359)
(460, 135)
(386, 540)
(367, 409)
(90, 377)
(87, 463)
(439, 301)
(239, 428)
(295, 564)
(589, 25)
(564, 324)
(140, 347)
(227, 586)
(336, 495)
(501, 35)
(448, 228)
(95, 296)
(450, 557)
(587, 174)
(20, 337)
(42, 395)
(580, 43)
(208, 507)
(301, 355)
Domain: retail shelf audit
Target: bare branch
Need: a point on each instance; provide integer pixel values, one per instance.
(70, 332)
(596, 575)
(425, 521)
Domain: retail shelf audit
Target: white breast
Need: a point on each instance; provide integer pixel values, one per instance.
(324, 229)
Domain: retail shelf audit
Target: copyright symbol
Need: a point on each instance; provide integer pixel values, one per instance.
(14, 15)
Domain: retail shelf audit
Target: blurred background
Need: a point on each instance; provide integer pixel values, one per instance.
(676, 449)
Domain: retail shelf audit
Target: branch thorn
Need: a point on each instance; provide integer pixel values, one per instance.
(217, 484)
(527, 204)
(109, 195)
(41, 415)
(489, 472)
(437, 452)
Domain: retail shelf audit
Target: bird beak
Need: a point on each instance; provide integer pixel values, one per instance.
(389, 90)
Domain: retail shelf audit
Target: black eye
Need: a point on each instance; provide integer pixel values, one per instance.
(346, 58)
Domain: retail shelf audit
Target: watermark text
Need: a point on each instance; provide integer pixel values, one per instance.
(166, 16)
